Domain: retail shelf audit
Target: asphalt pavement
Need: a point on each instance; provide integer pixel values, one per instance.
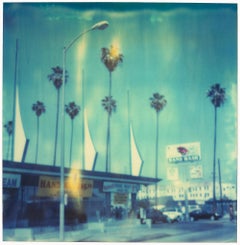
(127, 230)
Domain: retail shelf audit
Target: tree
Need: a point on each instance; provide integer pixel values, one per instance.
(56, 78)
(72, 110)
(111, 58)
(9, 128)
(217, 97)
(158, 102)
(109, 105)
(39, 109)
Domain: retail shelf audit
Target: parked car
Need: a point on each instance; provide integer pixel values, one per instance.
(157, 216)
(202, 214)
(174, 214)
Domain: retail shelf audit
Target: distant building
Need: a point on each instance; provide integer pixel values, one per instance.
(196, 191)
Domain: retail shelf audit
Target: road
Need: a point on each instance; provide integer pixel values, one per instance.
(130, 230)
(199, 231)
(221, 231)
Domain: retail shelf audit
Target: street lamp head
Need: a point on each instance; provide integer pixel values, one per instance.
(100, 25)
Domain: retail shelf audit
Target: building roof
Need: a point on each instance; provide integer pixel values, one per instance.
(39, 169)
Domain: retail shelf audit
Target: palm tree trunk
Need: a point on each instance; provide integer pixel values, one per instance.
(56, 131)
(37, 141)
(110, 84)
(108, 143)
(70, 159)
(108, 164)
(214, 157)
(156, 158)
(220, 185)
(109, 146)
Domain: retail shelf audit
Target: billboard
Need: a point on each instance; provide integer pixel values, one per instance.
(187, 152)
(50, 187)
(172, 173)
(11, 180)
(120, 187)
(196, 171)
(120, 198)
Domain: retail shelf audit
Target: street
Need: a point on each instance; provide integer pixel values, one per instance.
(198, 231)
(130, 230)
(201, 231)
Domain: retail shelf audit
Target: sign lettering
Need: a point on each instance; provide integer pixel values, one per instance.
(50, 186)
(120, 187)
(11, 180)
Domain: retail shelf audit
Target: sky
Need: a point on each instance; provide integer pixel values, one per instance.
(178, 50)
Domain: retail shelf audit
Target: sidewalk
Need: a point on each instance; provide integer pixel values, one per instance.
(125, 230)
(111, 231)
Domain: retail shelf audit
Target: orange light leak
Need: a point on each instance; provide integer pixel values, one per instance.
(114, 49)
(73, 183)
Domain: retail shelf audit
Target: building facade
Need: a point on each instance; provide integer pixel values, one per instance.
(198, 191)
(31, 194)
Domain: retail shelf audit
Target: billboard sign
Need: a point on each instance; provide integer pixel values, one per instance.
(196, 171)
(50, 187)
(11, 180)
(172, 173)
(120, 198)
(187, 152)
(120, 187)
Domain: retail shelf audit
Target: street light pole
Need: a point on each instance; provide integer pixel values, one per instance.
(98, 26)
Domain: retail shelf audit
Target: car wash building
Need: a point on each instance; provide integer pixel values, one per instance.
(31, 194)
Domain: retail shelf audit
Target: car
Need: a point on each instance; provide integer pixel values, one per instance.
(203, 214)
(157, 216)
(174, 214)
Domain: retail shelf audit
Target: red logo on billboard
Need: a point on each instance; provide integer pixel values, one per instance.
(182, 150)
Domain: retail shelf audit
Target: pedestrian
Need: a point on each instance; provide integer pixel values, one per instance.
(231, 212)
(142, 215)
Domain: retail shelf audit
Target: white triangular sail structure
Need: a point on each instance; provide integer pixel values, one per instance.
(89, 150)
(136, 161)
(18, 134)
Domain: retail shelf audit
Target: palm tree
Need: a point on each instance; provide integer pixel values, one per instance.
(9, 127)
(72, 110)
(158, 102)
(111, 58)
(56, 78)
(217, 97)
(109, 105)
(39, 109)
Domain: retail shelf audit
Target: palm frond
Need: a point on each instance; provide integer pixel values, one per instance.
(56, 76)
(39, 108)
(72, 109)
(111, 58)
(158, 102)
(217, 95)
(109, 104)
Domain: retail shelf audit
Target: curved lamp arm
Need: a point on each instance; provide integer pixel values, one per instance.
(98, 26)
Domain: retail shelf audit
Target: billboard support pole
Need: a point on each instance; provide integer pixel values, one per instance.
(185, 183)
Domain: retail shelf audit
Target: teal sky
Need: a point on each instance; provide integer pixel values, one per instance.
(178, 50)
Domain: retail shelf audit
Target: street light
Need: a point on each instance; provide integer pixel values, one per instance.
(98, 26)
